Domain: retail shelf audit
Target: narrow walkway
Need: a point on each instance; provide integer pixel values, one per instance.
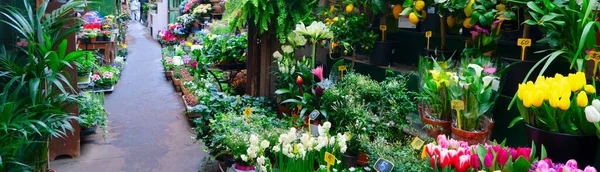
(147, 131)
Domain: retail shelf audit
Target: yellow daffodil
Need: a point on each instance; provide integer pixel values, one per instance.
(589, 89)
(189, 44)
(564, 103)
(582, 99)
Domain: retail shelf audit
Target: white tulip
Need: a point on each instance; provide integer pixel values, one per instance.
(596, 104)
(591, 114)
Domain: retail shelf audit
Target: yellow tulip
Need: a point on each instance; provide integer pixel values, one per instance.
(527, 99)
(553, 100)
(538, 98)
(540, 79)
(582, 99)
(577, 81)
(590, 89)
(565, 103)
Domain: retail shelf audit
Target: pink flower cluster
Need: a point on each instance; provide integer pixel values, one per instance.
(95, 77)
(167, 35)
(22, 42)
(190, 5)
(546, 165)
(462, 157)
(169, 60)
(107, 75)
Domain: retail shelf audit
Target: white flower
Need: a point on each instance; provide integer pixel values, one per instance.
(316, 30)
(264, 144)
(260, 160)
(327, 125)
(596, 104)
(196, 47)
(287, 49)
(592, 114)
(295, 39)
(253, 139)
(282, 69)
(177, 61)
(277, 55)
(351, 169)
(343, 149)
(251, 152)
(263, 168)
(244, 158)
(487, 80)
(276, 148)
(477, 68)
(331, 141)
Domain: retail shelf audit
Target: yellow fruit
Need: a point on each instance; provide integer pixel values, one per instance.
(349, 8)
(397, 10)
(419, 5)
(451, 21)
(423, 15)
(331, 9)
(500, 7)
(412, 17)
(469, 8)
(467, 23)
(335, 19)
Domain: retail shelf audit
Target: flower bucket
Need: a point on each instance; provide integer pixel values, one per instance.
(242, 167)
(561, 147)
(474, 137)
(362, 159)
(349, 160)
(437, 126)
(168, 74)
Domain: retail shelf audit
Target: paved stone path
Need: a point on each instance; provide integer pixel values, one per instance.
(147, 130)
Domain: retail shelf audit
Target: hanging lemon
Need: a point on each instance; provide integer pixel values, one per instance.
(349, 8)
(397, 10)
(419, 5)
(500, 7)
(412, 17)
(467, 23)
(451, 21)
(331, 9)
(469, 8)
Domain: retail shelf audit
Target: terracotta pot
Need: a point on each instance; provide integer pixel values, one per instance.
(93, 39)
(177, 84)
(281, 110)
(362, 159)
(472, 137)
(218, 8)
(437, 126)
(168, 74)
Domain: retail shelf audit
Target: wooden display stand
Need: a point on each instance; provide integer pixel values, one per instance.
(109, 47)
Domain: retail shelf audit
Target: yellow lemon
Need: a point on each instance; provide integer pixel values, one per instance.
(331, 9)
(335, 19)
(397, 10)
(469, 8)
(451, 21)
(349, 8)
(500, 7)
(419, 5)
(412, 17)
(467, 23)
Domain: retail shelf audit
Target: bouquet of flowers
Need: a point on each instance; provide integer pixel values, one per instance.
(547, 165)
(201, 10)
(556, 104)
(190, 5)
(177, 29)
(186, 20)
(166, 38)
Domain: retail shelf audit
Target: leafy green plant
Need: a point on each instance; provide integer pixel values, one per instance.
(91, 110)
(352, 32)
(400, 153)
(85, 65)
(225, 48)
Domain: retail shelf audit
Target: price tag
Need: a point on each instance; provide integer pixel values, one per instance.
(523, 42)
(417, 143)
(329, 159)
(595, 56)
(314, 114)
(382, 165)
(247, 113)
(383, 28)
(458, 105)
(428, 35)
(342, 68)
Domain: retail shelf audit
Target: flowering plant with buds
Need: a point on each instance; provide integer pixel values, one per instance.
(557, 104)
(434, 95)
(202, 10)
(106, 77)
(447, 155)
(166, 38)
(484, 22)
(547, 165)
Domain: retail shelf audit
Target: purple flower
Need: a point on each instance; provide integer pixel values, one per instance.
(496, 23)
(474, 34)
(479, 28)
(186, 59)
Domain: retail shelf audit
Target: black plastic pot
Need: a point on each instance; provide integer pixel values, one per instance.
(88, 131)
(443, 54)
(349, 160)
(101, 38)
(562, 147)
(382, 52)
(86, 40)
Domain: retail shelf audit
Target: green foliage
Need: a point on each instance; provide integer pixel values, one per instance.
(85, 64)
(401, 154)
(91, 110)
(352, 32)
(225, 48)
(284, 14)
(220, 27)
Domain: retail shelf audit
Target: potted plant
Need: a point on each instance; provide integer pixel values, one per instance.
(553, 111)
(473, 94)
(152, 8)
(176, 77)
(287, 66)
(91, 112)
(351, 31)
(434, 96)
(105, 78)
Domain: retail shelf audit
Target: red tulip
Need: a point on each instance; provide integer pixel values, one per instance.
(475, 161)
(525, 152)
(463, 163)
(432, 161)
(444, 158)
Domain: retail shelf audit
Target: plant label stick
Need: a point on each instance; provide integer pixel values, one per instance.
(523, 42)
(458, 105)
(383, 28)
(342, 68)
(382, 165)
(595, 56)
(417, 143)
(247, 113)
(329, 159)
(428, 35)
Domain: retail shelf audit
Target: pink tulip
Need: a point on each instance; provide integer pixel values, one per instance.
(454, 144)
(488, 160)
(442, 141)
(572, 164)
(589, 169)
(542, 166)
(502, 156)
(462, 163)
(524, 152)
(318, 72)
(475, 161)
(464, 144)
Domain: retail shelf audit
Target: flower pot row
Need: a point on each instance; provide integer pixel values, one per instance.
(436, 127)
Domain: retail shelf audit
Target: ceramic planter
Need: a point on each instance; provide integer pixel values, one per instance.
(93, 39)
(437, 126)
(88, 130)
(241, 166)
(474, 137)
(562, 147)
